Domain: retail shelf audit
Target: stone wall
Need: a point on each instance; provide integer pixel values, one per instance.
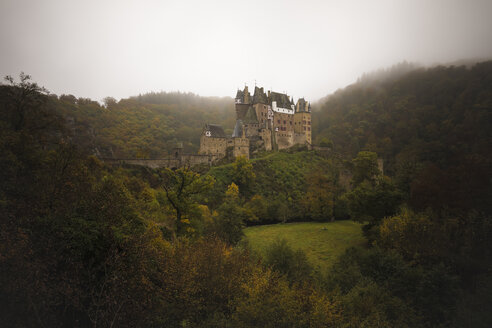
(152, 163)
(172, 163)
(212, 146)
(261, 113)
(241, 147)
(285, 139)
(302, 124)
(266, 136)
(284, 122)
(251, 129)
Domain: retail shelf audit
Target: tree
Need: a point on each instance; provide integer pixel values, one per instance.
(229, 223)
(24, 97)
(243, 175)
(293, 263)
(258, 205)
(370, 203)
(180, 188)
(325, 142)
(318, 200)
(365, 167)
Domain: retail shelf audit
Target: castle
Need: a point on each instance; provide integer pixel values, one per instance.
(266, 121)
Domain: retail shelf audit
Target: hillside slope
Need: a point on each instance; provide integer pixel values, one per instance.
(147, 126)
(432, 127)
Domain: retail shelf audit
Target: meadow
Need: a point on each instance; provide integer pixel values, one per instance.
(322, 242)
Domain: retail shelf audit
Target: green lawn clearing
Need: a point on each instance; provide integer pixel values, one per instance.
(322, 242)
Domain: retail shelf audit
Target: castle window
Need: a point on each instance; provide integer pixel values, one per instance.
(278, 121)
(304, 128)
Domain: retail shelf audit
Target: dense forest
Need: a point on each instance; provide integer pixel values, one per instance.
(431, 126)
(84, 244)
(145, 126)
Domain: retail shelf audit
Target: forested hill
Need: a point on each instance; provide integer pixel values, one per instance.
(433, 127)
(145, 126)
(437, 114)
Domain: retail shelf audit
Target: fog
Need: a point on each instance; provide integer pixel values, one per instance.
(309, 48)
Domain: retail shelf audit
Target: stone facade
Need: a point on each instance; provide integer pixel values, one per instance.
(268, 120)
(213, 141)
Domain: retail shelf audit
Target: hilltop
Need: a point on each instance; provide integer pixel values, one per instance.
(145, 126)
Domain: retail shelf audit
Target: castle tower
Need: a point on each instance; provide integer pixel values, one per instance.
(240, 143)
(243, 101)
(302, 121)
(178, 150)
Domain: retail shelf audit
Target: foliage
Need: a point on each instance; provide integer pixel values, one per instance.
(431, 127)
(461, 240)
(284, 180)
(180, 187)
(365, 168)
(378, 285)
(270, 302)
(243, 175)
(228, 224)
(282, 258)
(319, 198)
(83, 244)
(371, 203)
(146, 126)
(22, 102)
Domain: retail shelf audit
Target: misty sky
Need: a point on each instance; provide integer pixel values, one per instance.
(99, 48)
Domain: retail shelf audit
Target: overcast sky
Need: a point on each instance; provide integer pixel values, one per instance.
(118, 48)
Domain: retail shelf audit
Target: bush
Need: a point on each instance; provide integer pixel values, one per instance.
(292, 263)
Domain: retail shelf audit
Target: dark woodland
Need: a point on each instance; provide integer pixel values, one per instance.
(87, 244)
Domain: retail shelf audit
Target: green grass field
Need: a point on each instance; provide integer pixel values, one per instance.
(322, 246)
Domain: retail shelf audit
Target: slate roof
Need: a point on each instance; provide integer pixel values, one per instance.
(240, 94)
(260, 96)
(250, 116)
(216, 131)
(282, 99)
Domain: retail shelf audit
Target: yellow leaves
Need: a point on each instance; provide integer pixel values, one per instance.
(325, 313)
(232, 191)
(226, 251)
(206, 214)
(256, 197)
